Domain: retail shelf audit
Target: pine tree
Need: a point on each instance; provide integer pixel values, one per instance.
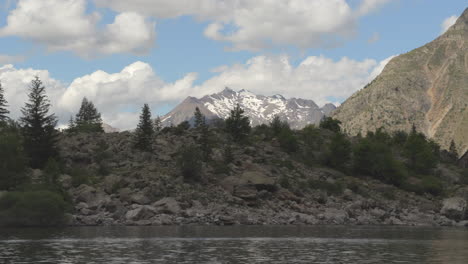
(200, 120)
(237, 124)
(157, 124)
(40, 136)
(145, 130)
(71, 125)
(3, 104)
(88, 119)
(204, 140)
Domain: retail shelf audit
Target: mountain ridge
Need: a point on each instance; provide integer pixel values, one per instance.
(426, 87)
(259, 108)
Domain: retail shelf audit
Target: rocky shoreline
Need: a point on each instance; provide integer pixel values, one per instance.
(96, 208)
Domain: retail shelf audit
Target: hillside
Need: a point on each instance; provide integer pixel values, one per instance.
(426, 87)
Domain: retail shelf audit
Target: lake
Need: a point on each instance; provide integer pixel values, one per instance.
(235, 244)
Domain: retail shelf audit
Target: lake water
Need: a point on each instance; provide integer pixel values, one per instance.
(235, 244)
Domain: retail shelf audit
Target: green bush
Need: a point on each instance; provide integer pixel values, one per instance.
(330, 124)
(33, 208)
(80, 176)
(375, 158)
(339, 151)
(12, 158)
(190, 163)
(432, 185)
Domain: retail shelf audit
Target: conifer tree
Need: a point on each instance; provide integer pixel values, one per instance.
(88, 119)
(200, 120)
(204, 140)
(39, 132)
(3, 104)
(145, 130)
(71, 125)
(157, 124)
(237, 124)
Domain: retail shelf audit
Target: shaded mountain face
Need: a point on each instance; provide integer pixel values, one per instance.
(427, 87)
(260, 109)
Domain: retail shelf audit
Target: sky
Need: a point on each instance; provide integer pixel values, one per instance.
(121, 54)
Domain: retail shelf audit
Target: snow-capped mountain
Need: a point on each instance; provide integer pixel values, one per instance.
(259, 108)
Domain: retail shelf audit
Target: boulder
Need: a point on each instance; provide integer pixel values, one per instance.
(139, 198)
(140, 213)
(110, 182)
(259, 180)
(247, 184)
(90, 196)
(454, 208)
(167, 205)
(246, 192)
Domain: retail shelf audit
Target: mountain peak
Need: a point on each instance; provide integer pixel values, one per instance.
(259, 108)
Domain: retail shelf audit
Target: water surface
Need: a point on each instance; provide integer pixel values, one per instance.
(235, 244)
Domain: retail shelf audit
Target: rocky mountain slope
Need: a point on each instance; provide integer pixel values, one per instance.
(427, 87)
(111, 183)
(260, 109)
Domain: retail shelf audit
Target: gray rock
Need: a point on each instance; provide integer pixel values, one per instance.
(247, 192)
(454, 208)
(110, 183)
(167, 205)
(140, 198)
(141, 213)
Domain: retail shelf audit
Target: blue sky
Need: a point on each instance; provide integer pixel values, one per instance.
(179, 57)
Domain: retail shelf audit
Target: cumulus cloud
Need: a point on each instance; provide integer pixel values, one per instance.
(447, 23)
(254, 25)
(16, 84)
(65, 25)
(119, 96)
(316, 77)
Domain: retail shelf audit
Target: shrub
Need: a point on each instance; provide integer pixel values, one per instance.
(34, 208)
(421, 153)
(375, 158)
(12, 158)
(80, 176)
(190, 163)
(330, 124)
(182, 128)
(339, 151)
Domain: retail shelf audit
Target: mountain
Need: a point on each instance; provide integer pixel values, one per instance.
(427, 87)
(260, 109)
(108, 128)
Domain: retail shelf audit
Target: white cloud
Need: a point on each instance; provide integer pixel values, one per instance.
(119, 96)
(254, 25)
(65, 25)
(16, 84)
(316, 77)
(447, 23)
(368, 6)
(6, 59)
